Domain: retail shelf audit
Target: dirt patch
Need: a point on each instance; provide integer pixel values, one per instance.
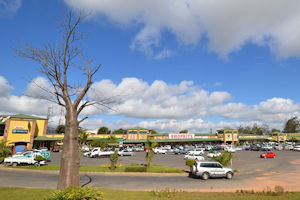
(261, 178)
(258, 170)
(271, 173)
(295, 162)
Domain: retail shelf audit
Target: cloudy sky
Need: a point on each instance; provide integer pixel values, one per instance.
(171, 65)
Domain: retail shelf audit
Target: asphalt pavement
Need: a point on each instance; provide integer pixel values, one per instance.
(252, 172)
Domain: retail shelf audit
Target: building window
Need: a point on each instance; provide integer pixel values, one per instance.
(2, 128)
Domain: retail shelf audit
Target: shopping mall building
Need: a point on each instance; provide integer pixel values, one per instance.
(27, 132)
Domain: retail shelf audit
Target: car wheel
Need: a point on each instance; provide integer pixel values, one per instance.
(205, 176)
(14, 164)
(229, 175)
(36, 164)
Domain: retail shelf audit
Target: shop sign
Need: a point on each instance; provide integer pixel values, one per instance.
(181, 136)
(19, 131)
(201, 136)
(19, 127)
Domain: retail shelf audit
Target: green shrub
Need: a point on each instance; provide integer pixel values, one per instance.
(40, 158)
(5, 151)
(190, 162)
(136, 169)
(224, 158)
(76, 193)
(113, 159)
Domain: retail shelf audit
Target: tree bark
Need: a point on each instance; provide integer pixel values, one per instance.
(69, 165)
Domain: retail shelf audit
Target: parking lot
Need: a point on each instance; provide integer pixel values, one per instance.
(245, 162)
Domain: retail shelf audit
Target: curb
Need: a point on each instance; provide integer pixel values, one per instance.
(96, 173)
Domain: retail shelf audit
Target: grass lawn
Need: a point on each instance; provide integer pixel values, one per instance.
(39, 194)
(153, 168)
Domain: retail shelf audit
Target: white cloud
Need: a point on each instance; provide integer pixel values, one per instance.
(8, 8)
(228, 24)
(5, 88)
(168, 107)
(158, 100)
(39, 88)
(271, 110)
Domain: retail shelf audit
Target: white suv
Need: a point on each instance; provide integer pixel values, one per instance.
(207, 169)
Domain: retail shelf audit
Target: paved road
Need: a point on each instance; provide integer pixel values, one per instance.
(253, 173)
(49, 180)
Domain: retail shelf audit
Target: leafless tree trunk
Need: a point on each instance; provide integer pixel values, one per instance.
(55, 61)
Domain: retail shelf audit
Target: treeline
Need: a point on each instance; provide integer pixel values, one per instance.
(291, 126)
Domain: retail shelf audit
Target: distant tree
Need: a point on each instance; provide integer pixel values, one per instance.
(98, 143)
(149, 145)
(60, 129)
(154, 132)
(82, 137)
(245, 130)
(275, 130)
(103, 130)
(255, 129)
(293, 139)
(118, 131)
(5, 151)
(292, 125)
(184, 131)
(112, 140)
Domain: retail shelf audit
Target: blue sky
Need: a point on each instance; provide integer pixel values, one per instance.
(246, 70)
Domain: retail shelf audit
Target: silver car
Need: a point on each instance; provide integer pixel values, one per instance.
(207, 169)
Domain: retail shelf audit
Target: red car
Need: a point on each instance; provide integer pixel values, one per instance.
(268, 155)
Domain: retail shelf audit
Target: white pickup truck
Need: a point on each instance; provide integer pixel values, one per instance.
(198, 152)
(159, 151)
(26, 158)
(96, 152)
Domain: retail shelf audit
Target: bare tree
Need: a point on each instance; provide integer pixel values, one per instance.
(55, 61)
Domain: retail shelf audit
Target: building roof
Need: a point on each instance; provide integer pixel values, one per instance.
(45, 138)
(22, 116)
(137, 128)
(254, 138)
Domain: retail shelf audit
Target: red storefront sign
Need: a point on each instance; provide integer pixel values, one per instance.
(181, 136)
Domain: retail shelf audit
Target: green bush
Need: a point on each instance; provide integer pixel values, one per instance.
(224, 158)
(113, 159)
(190, 162)
(76, 193)
(136, 169)
(5, 151)
(40, 158)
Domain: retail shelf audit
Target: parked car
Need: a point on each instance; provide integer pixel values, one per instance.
(125, 153)
(266, 148)
(26, 158)
(159, 151)
(255, 148)
(43, 149)
(196, 152)
(278, 147)
(268, 154)
(193, 157)
(180, 151)
(217, 148)
(96, 152)
(207, 169)
(56, 149)
(213, 154)
(297, 148)
(230, 149)
(208, 147)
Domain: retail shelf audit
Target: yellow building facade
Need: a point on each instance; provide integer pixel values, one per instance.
(20, 130)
